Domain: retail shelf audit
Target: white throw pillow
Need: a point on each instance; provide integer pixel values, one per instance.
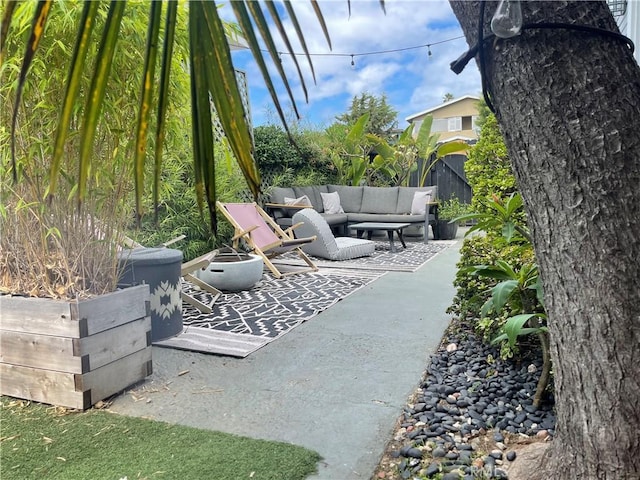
(331, 203)
(419, 204)
(303, 200)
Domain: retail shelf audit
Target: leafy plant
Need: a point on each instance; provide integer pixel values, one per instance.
(297, 157)
(351, 156)
(519, 291)
(428, 149)
(363, 157)
(505, 216)
(212, 75)
(452, 209)
(487, 168)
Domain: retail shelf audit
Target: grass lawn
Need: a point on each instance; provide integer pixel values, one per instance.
(38, 441)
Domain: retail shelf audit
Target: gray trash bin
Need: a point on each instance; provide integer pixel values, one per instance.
(160, 269)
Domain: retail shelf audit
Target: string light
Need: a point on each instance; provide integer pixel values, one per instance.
(353, 63)
(365, 54)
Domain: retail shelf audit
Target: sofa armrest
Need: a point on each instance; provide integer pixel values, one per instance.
(433, 209)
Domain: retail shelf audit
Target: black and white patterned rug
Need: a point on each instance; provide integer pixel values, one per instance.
(402, 260)
(244, 321)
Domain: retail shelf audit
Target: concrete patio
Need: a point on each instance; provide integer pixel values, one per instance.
(336, 384)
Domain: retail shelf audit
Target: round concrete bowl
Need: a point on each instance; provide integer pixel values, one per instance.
(232, 272)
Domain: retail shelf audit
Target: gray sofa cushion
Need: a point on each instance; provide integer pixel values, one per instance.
(335, 218)
(379, 199)
(326, 245)
(350, 197)
(405, 197)
(313, 192)
(390, 218)
(278, 194)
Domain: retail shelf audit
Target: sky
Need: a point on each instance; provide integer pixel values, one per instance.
(412, 80)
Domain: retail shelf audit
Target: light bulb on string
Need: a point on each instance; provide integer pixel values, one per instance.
(429, 51)
(507, 19)
(353, 63)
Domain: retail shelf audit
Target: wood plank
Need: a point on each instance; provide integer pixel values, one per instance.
(39, 351)
(39, 385)
(116, 376)
(37, 315)
(110, 345)
(113, 309)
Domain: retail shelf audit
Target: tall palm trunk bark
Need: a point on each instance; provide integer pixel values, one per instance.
(568, 103)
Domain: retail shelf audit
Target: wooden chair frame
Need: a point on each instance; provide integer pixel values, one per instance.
(283, 240)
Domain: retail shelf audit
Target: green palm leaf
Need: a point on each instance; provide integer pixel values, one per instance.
(222, 84)
(151, 54)
(163, 97)
(9, 7)
(73, 86)
(320, 17)
(37, 30)
(283, 33)
(242, 15)
(95, 95)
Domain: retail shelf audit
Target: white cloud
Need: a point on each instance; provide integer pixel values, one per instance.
(412, 80)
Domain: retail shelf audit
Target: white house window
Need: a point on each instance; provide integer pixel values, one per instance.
(617, 7)
(476, 128)
(454, 124)
(439, 125)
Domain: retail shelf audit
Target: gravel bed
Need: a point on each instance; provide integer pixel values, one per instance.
(471, 410)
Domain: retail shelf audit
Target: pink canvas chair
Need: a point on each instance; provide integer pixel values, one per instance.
(263, 236)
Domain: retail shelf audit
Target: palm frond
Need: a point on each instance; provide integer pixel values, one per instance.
(151, 53)
(242, 15)
(163, 97)
(37, 31)
(283, 33)
(9, 7)
(74, 78)
(95, 96)
(227, 99)
(320, 17)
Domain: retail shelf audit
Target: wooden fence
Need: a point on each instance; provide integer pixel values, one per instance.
(448, 174)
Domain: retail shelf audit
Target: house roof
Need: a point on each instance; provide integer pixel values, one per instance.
(438, 107)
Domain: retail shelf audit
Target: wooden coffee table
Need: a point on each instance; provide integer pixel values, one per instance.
(371, 227)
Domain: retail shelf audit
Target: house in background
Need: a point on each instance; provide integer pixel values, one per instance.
(452, 120)
(627, 15)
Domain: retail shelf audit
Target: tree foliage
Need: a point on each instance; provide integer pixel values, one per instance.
(292, 157)
(383, 118)
(488, 169)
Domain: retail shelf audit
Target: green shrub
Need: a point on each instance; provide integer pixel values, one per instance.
(452, 208)
(472, 290)
(299, 163)
(488, 169)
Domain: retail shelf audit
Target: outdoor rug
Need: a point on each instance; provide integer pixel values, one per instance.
(402, 260)
(242, 322)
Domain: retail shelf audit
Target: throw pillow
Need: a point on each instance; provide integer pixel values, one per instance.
(419, 204)
(303, 200)
(331, 203)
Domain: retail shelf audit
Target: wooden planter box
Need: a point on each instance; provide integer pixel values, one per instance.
(74, 354)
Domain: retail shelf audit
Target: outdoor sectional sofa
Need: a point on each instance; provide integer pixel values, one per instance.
(360, 204)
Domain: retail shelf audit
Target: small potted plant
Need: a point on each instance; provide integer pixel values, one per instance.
(449, 210)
